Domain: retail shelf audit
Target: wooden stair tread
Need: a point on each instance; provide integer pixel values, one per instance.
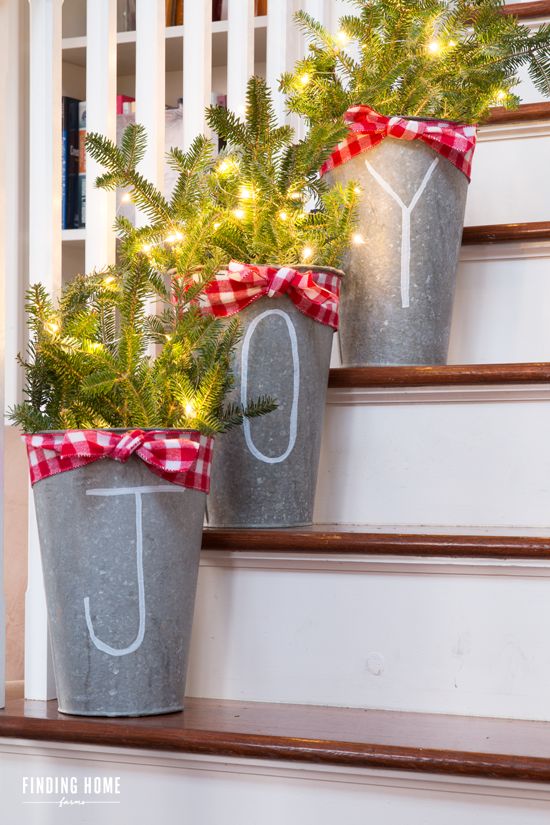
(308, 734)
(357, 539)
(440, 375)
(526, 11)
(523, 113)
(505, 232)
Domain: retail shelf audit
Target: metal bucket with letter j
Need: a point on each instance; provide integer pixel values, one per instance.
(120, 553)
(264, 474)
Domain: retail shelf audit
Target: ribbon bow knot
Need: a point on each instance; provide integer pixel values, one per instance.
(177, 456)
(314, 294)
(454, 141)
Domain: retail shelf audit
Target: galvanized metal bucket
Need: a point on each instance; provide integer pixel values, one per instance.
(264, 474)
(397, 296)
(120, 553)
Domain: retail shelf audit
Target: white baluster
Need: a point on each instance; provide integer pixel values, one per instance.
(281, 50)
(44, 266)
(100, 117)
(197, 68)
(150, 88)
(240, 52)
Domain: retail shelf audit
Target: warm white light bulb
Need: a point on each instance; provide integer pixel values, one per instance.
(357, 239)
(108, 280)
(52, 327)
(304, 79)
(342, 38)
(501, 95)
(170, 238)
(126, 198)
(224, 167)
(357, 190)
(283, 216)
(245, 193)
(238, 213)
(307, 253)
(146, 247)
(434, 47)
(452, 43)
(217, 225)
(295, 196)
(189, 410)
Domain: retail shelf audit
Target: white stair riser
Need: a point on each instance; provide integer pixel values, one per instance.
(415, 637)
(501, 311)
(394, 461)
(516, 173)
(154, 786)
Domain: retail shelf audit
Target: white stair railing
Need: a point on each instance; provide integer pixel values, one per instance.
(44, 266)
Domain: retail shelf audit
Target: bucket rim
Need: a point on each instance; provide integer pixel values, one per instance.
(329, 270)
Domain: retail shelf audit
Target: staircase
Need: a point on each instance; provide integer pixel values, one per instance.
(390, 664)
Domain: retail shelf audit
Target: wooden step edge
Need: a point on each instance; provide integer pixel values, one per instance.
(523, 113)
(503, 232)
(439, 375)
(336, 540)
(307, 734)
(528, 11)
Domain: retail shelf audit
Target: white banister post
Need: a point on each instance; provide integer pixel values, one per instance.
(6, 48)
(197, 68)
(100, 117)
(44, 266)
(240, 51)
(150, 87)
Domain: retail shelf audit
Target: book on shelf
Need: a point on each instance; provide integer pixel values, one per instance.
(174, 10)
(82, 163)
(70, 163)
(121, 104)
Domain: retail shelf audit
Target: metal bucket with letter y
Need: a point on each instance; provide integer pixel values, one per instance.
(397, 298)
(120, 543)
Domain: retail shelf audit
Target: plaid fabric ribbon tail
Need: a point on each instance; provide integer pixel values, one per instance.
(180, 457)
(454, 141)
(316, 294)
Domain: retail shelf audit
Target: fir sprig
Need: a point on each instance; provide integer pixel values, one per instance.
(89, 365)
(275, 207)
(426, 58)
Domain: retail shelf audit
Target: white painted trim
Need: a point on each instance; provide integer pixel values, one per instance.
(473, 394)
(505, 251)
(357, 563)
(513, 131)
(503, 788)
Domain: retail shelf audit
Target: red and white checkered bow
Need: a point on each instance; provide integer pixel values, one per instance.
(454, 141)
(316, 294)
(178, 456)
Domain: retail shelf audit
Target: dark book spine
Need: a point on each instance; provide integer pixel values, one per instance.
(82, 164)
(64, 151)
(72, 199)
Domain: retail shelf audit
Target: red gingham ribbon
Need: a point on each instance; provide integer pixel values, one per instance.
(178, 456)
(316, 294)
(454, 141)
